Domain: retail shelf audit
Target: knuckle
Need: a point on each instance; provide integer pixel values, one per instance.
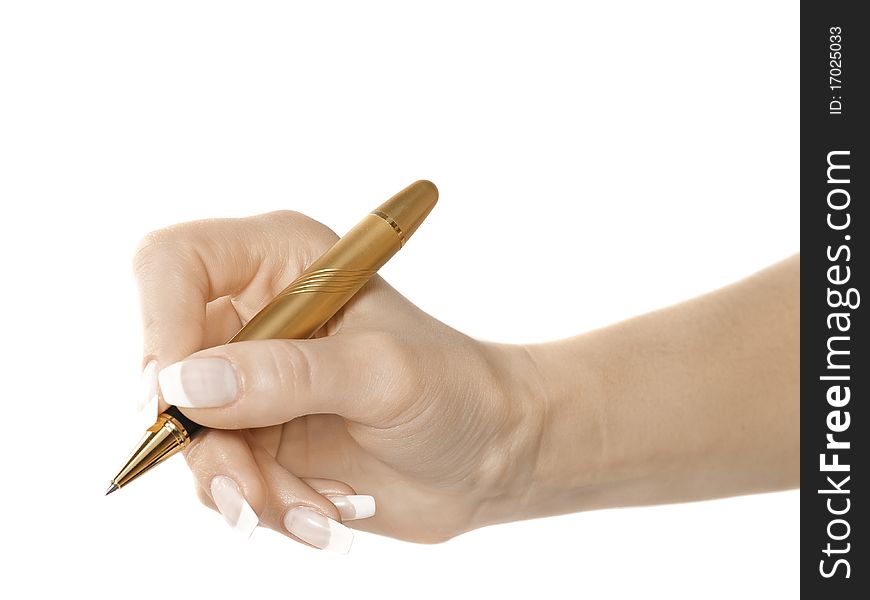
(283, 217)
(155, 244)
(292, 368)
(198, 454)
(146, 247)
(322, 236)
(318, 235)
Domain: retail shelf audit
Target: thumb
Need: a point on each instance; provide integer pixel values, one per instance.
(368, 377)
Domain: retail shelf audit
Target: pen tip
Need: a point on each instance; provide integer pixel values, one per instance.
(111, 489)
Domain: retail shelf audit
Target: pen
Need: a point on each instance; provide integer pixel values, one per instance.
(302, 307)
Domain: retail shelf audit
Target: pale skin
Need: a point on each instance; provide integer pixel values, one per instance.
(699, 400)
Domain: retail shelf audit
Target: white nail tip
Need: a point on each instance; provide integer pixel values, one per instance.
(352, 507)
(318, 530)
(148, 391)
(233, 506)
(199, 383)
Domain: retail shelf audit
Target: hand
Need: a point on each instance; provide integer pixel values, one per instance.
(384, 401)
(698, 400)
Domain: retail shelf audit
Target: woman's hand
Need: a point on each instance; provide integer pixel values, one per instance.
(385, 401)
(698, 400)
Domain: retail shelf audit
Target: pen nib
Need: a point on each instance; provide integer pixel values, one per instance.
(111, 489)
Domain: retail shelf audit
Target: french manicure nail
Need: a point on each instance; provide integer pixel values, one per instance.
(354, 506)
(318, 530)
(233, 506)
(148, 390)
(199, 383)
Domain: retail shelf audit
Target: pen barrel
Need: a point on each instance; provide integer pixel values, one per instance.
(304, 306)
(323, 288)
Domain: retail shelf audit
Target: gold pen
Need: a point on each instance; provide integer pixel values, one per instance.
(302, 307)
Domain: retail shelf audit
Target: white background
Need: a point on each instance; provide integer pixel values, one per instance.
(594, 162)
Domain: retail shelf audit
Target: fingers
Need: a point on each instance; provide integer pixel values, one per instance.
(178, 272)
(299, 511)
(239, 479)
(229, 477)
(365, 377)
(221, 323)
(180, 269)
(351, 506)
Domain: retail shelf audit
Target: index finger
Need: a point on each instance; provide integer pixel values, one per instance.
(181, 268)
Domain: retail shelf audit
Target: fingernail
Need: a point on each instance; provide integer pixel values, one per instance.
(199, 383)
(354, 506)
(318, 530)
(233, 506)
(148, 390)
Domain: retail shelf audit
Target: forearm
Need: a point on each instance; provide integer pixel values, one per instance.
(695, 401)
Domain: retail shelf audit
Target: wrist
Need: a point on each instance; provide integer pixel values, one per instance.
(604, 442)
(550, 454)
(576, 464)
(564, 451)
(509, 465)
